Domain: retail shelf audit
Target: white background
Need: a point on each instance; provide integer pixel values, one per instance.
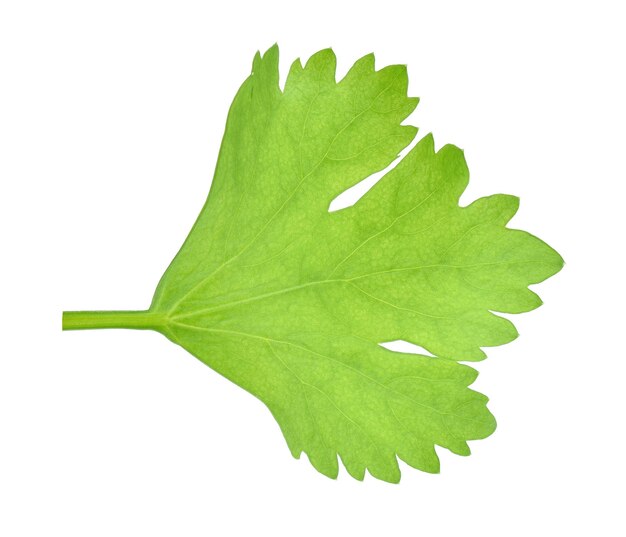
(111, 115)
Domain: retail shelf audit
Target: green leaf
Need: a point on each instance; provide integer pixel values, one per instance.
(291, 301)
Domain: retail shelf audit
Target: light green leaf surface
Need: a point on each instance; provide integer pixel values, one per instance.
(291, 301)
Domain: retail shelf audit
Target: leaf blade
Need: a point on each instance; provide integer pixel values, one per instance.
(291, 302)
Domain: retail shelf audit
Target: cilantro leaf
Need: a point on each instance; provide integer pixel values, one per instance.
(291, 301)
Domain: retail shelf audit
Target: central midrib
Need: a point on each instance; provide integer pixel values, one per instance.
(171, 315)
(253, 298)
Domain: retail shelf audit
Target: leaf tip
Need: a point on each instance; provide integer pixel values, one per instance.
(363, 66)
(511, 205)
(324, 62)
(428, 143)
(412, 103)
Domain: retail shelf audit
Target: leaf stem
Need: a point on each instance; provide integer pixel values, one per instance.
(139, 320)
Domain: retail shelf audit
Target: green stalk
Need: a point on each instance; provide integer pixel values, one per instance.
(85, 320)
